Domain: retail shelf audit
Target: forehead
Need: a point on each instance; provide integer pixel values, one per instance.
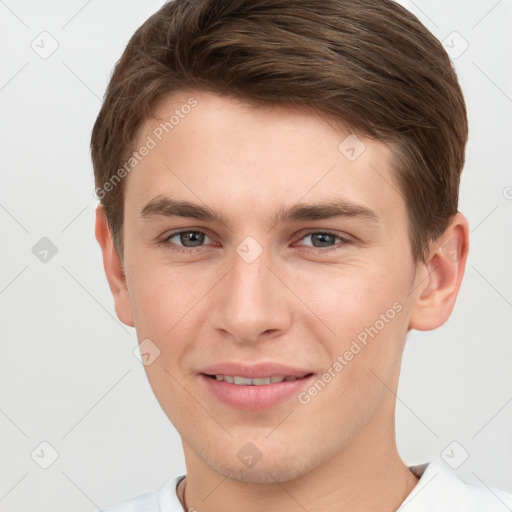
(240, 158)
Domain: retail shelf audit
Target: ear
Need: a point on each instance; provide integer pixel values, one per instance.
(441, 277)
(113, 269)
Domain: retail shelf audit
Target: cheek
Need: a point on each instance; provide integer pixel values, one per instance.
(163, 307)
(360, 317)
(349, 299)
(368, 314)
(162, 296)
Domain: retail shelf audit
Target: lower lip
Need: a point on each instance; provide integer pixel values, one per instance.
(253, 398)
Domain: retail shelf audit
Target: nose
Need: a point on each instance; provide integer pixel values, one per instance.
(251, 303)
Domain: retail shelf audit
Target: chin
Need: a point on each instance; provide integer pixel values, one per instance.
(263, 474)
(269, 469)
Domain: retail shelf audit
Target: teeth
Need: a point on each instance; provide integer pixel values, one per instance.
(245, 381)
(259, 382)
(242, 380)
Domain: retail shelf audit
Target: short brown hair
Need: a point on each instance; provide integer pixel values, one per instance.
(368, 63)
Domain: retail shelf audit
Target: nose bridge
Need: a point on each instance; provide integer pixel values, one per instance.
(251, 300)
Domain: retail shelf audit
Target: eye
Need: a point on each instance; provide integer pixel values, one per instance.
(324, 239)
(190, 240)
(183, 240)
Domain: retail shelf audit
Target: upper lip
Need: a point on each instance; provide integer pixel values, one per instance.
(254, 371)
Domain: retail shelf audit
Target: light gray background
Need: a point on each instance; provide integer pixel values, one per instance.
(68, 373)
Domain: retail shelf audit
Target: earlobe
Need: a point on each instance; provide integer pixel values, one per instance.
(445, 265)
(113, 269)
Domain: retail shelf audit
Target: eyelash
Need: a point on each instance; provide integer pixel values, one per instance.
(190, 250)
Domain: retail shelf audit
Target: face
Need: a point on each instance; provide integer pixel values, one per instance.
(261, 242)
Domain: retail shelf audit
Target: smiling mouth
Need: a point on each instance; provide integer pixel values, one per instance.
(263, 381)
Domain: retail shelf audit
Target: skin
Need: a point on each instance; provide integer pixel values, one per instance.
(294, 304)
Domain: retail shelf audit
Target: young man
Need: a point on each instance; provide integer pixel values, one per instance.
(279, 183)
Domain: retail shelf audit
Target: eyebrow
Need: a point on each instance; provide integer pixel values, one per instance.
(167, 207)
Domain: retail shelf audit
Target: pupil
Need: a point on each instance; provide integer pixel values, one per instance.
(192, 238)
(325, 239)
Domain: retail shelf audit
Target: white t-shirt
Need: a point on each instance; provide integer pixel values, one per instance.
(438, 490)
